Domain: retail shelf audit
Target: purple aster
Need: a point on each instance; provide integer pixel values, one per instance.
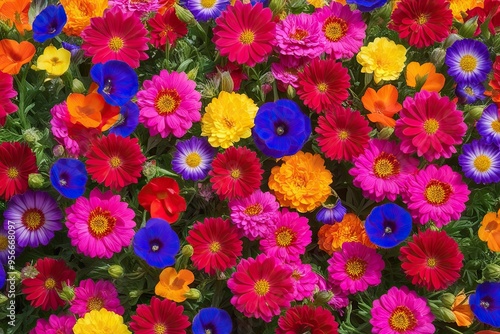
(36, 217)
(468, 93)
(193, 158)
(4, 246)
(480, 162)
(205, 10)
(468, 61)
(488, 126)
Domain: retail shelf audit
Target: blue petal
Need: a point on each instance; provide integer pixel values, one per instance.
(117, 81)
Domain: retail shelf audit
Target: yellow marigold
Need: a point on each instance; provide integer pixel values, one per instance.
(382, 57)
(102, 321)
(350, 229)
(228, 118)
(302, 182)
(79, 13)
(459, 6)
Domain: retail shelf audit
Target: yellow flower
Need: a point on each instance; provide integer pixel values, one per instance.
(228, 118)
(79, 13)
(102, 321)
(317, 3)
(302, 182)
(459, 6)
(382, 57)
(54, 61)
(173, 285)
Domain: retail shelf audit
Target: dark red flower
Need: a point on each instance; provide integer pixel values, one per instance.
(161, 198)
(305, 318)
(490, 11)
(17, 162)
(165, 28)
(161, 316)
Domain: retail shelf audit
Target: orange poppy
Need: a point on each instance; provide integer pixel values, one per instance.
(424, 77)
(14, 55)
(490, 230)
(462, 310)
(382, 104)
(92, 111)
(15, 12)
(173, 285)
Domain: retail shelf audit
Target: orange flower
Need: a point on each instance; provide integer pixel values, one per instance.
(424, 77)
(490, 230)
(15, 12)
(331, 237)
(79, 13)
(173, 285)
(13, 55)
(382, 105)
(462, 311)
(92, 111)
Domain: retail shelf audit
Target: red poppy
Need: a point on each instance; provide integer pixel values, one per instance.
(310, 319)
(17, 162)
(161, 198)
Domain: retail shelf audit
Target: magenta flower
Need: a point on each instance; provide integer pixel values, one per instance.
(56, 324)
(90, 295)
(304, 280)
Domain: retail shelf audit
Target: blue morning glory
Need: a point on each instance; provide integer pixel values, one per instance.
(118, 82)
(49, 23)
(388, 225)
(485, 303)
(68, 176)
(367, 5)
(128, 121)
(212, 320)
(331, 214)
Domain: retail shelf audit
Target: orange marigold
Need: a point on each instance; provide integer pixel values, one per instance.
(302, 182)
(79, 13)
(350, 229)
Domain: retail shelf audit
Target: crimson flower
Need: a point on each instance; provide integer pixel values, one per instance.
(161, 198)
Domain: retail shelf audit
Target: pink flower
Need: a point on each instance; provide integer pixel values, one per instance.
(100, 225)
(62, 324)
(139, 7)
(355, 267)
(382, 169)
(169, 104)
(304, 280)
(288, 75)
(437, 194)
(338, 297)
(7, 92)
(90, 295)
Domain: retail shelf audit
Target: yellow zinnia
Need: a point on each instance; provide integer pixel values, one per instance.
(79, 13)
(302, 182)
(54, 61)
(382, 57)
(102, 321)
(228, 118)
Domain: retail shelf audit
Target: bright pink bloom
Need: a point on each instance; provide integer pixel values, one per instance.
(138, 6)
(339, 299)
(7, 92)
(62, 324)
(90, 295)
(304, 280)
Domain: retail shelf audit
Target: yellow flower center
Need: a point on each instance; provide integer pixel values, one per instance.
(159, 328)
(207, 3)
(495, 126)
(299, 34)
(355, 268)
(4, 242)
(431, 126)
(402, 319)
(343, 134)
(101, 223)
(247, 37)
(296, 275)
(167, 101)
(235, 173)
(214, 247)
(50, 283)
(253, 209)
(115, 43)
(193, 159)
(385, 165)
(422, 19)
(33, 219)
(334, 28)
(437, 192)
(482, 163)
(94, 303)
(469, 91)
(55, 61)
(229, 123)
(12, 172)
(431, 262)
(322, 87)
(468, 63)
(285, 236)
(261, 287)
(115, 162)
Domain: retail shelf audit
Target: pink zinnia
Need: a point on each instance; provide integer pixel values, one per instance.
(139, 7)
(288, 237)
(436, 193)
(304, 280)
(261, 287)
(382, 169)
(62, 324)
(287, 75)
(90, 295)
(169, 104)
(355, 267)
(401, 311)
(7, 92)
(344, 29)
(252, 214)
(430, 125)
(100, 225)
(117, 35)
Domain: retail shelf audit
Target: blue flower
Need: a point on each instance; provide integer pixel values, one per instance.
(212, 320)
(117, 81)
(480, 162)
(3, 277)
(469, 93)
(468, 61)
(485, 303)
(488, 125)
(388, 225)
(192, 158)
(280, 128)
(69, 177)
(204, 12)
(128, 121)
(157, 243)
(367, 5)
(49, 23)
(331, 214)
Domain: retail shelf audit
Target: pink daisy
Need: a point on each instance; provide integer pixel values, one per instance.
(344, 30)
(117, 35)
(90, 295)
(288, 237)
(304, 280)
(355, 267)
(382, 169)
(300, 35)
(56, 324)
(252, 214)
(139, 7)
(169, 104)
(261, 287)
(436, 193)
(430, 125)
(401, 311)
(100, 225)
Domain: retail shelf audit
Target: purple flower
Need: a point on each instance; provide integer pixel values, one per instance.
(193, 158)
(480, 162)
(488, 126)
(332, 213)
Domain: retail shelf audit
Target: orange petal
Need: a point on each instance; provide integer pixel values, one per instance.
(85, 110)
(412, 70)
(110, 115)
(369, 99)
(435, 82)
(382, 119)
(388, 94)
(186, 275)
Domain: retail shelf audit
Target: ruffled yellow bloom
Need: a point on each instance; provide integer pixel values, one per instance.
(102, 321)
(54, 61)
(228, 118)
(302, 182)
(459, 6)
(79, 13)
(382, 57)
(318, 3)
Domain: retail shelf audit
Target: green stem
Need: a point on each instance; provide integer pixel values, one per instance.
(21, 87)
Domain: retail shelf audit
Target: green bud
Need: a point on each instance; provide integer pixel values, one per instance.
(115, 271)
(32, 135)
(445, 314)
(491, 272)
(475, 112)
(290, 92)
(16, 275)
(187, 250)
(452, 38)
(58, 150)
(277, 6)
(447, 299)
(193, 73)
(193, 294)
(3, 298)
(77, 86)
(437, 57)
(183, 14)
(226, 83)
(67, 293)
(149, 169)
(135, 293)
(468, 29)
(322, 297)
(35, 181)
(385, 133)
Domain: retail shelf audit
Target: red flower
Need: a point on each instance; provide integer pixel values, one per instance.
(162, 316)
(304, 318)
(115, 161)
(17, 162)
(422, 22)
(495, 81)
(161, 198)
(41, 291)
(432, 260)
(7, 92)
(343, 134)
(490, 10)
(166, 27)
(323, 84)
(216, 245)
(235, 173)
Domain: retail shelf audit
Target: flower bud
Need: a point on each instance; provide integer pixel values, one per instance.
(437, 57)
(3, 298)
(193, 73)
(277, 6)
(226, 83)
(266, 88)
(445, 314)
(58, 151)
(67, 293)
(35, 180)
(32, 135)
(187, 251)
(184, 14)
(447, 299)
(452, 38)
(290, 92)
(476, 112)
(28, 272)
(468, 29)
(149, 169)
(134, 293)
(77, 86)
(115, 271)
(193, 294)
(16, 275)
(385, 133)
(491, 272)
(322, 297)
